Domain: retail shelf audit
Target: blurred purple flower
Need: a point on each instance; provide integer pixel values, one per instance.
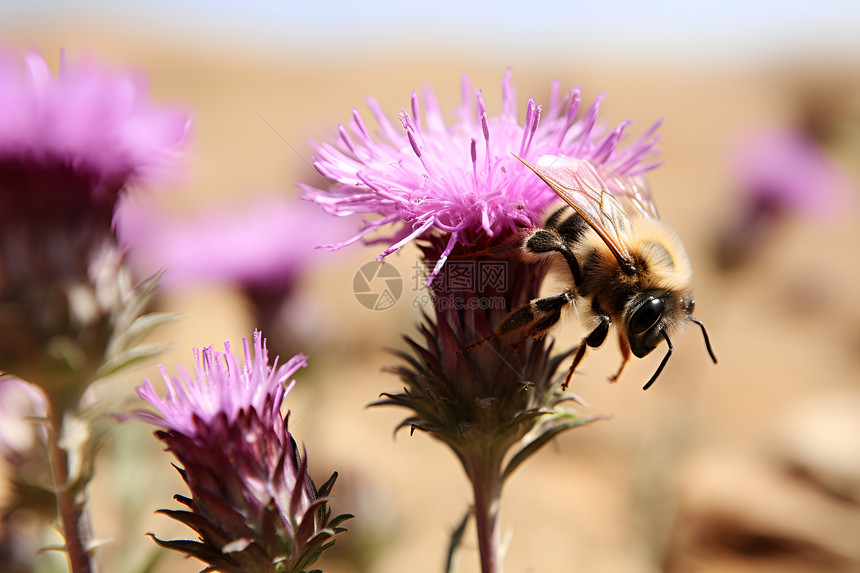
(264, 246)
(790, 172)
(463, 179)
(266, 242)
(70, 145)
(253, 505)
(76, 139)
(777, 172)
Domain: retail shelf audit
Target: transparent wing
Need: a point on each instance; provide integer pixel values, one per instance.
(578, 183)
(636, 190)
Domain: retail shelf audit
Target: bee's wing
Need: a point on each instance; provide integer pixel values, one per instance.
(637, 191)
(578, 183)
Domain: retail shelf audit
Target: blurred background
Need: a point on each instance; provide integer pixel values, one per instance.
(752, 465)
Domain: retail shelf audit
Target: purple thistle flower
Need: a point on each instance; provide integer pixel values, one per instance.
(462, 193)
(463, 179)
(77, 138)
(70, 145)
(221, 385)
(253, 505)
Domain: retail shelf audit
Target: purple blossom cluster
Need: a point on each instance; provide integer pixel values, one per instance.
(72, 143)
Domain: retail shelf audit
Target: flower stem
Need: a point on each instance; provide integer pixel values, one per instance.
(487, 487)
(70, 505)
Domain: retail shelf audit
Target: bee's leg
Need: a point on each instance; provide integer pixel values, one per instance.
(518, 319)
(547, 313)
(580, 353)
(625, 356)
(595, 339)
(532, 319)
(551, 241)
(536, 317)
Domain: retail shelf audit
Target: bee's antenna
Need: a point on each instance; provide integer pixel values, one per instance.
(663, 363)
(707, 338)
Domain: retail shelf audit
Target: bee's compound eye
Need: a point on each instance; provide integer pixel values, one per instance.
(646, 315)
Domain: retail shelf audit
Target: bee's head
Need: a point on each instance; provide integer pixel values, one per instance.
(652, 315)
(649, 315)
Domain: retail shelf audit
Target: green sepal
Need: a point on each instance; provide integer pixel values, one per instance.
(128, 357)
(548, 430)
(217, 561)
(131, 325)
(147, 323)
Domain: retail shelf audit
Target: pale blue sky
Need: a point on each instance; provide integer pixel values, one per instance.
(675, 30)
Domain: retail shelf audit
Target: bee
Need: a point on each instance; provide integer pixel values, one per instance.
(627, 267)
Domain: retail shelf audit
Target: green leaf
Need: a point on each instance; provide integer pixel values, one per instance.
(525, 417)
(144, 325)
(548, 430)
(129, 357)
(217, 561)
(143, 292)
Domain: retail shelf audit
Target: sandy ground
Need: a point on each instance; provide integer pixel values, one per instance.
(751, 465)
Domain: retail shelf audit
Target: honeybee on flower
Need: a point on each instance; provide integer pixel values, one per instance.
(627, 267)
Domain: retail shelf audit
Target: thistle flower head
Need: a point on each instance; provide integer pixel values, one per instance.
(69, 145)
(500, 400)
(462, 179)
(76, 138)
(253, 505)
